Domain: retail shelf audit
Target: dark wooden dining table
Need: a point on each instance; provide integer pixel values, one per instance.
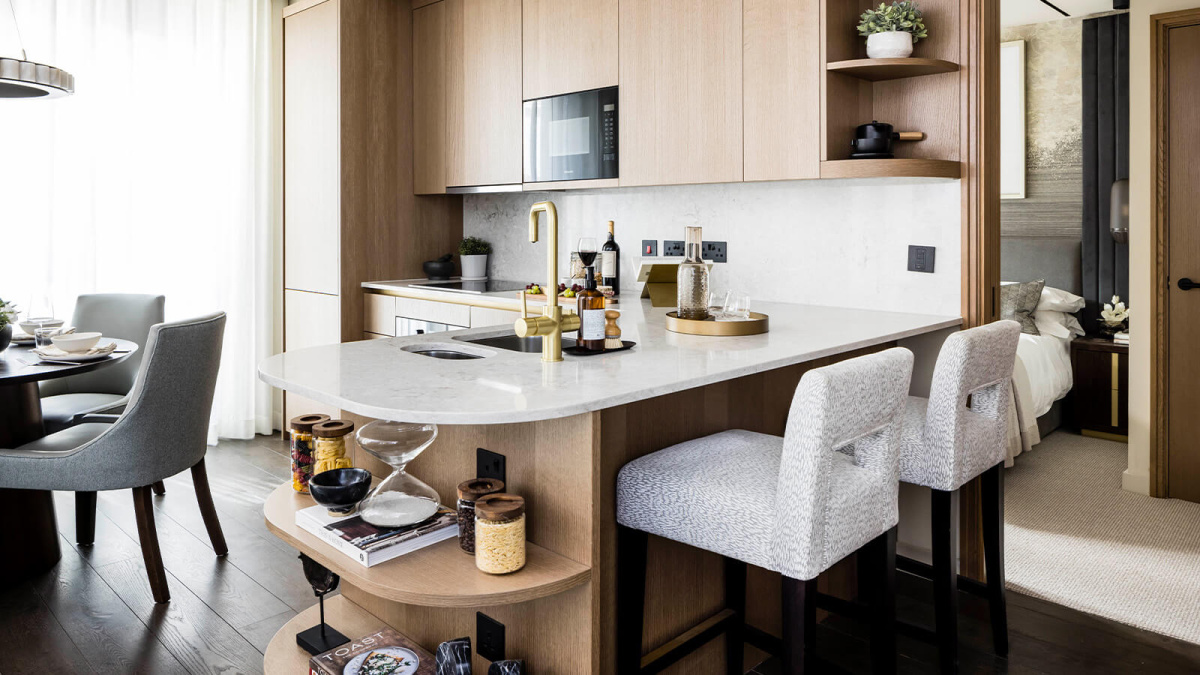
(28, 529)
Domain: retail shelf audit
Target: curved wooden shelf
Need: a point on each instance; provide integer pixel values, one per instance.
(882, 168)
(440, 575)
(875, 70)
(285, 657)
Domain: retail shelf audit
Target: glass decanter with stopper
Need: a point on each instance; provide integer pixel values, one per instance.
(400, 499)
(692, 279)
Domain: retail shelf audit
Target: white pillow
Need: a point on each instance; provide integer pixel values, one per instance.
(1058, 324)
(1058, 300)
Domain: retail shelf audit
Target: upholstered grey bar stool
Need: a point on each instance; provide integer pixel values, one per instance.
(951, 437)
(794, 505)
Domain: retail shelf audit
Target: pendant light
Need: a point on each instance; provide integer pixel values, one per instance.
(27, 79)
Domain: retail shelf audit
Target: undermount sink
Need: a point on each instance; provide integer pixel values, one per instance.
(528, 345)
(444, 351)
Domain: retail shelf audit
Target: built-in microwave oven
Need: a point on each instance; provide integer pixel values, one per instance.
(571, 137)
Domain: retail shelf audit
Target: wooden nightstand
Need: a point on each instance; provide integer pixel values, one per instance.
(1101, 392)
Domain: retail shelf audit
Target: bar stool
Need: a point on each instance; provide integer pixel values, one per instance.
(956, 434)
(794, 505)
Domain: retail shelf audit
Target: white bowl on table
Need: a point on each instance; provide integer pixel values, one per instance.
(76, 342)
(30, 326)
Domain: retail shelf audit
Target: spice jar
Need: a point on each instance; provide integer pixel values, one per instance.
(330, 437)
(469, 491)
(500, 533)
(302, 450)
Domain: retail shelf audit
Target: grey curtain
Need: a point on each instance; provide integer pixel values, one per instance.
(1105, 158)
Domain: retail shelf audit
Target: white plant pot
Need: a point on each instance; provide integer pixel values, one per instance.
(894, 45)
(474, 266)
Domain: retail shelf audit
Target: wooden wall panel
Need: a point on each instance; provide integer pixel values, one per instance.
(900, 103)
(430, 51)
(568, 46)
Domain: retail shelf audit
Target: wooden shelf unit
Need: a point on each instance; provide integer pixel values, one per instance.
(877, 70)
(285, 657)
(881, 168)
(440, 575)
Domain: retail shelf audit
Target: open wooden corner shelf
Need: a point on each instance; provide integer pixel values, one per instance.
(876, 70)
(882, 168)
(440, 575)
(285, 657)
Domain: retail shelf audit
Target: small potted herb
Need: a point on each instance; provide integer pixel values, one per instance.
(473, 253)
(8, 314)
(891, 31)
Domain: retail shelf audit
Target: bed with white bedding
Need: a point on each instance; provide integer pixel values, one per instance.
(1041, 377)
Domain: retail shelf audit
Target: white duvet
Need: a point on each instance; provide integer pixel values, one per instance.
(1047, 363)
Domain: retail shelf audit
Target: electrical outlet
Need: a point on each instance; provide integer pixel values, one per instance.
(649, 247)
(490, 464)
(672, 247)
(489, 637)
(920, 258)
(714, 251)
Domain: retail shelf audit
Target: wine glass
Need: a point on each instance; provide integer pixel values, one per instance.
(587, 250)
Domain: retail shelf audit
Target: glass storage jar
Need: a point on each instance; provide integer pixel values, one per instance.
(330, 451)
(469, 491)
(303, 450)
(400, 499)
(692, 279)
(500, 533)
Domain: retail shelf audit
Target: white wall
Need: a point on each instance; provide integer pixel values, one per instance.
(842, 242)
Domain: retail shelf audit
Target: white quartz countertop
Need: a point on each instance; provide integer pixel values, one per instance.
(378, 378)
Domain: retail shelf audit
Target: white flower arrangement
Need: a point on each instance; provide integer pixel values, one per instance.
(1115, 313)
(8, 313)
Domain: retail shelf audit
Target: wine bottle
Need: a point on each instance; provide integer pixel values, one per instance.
(591, 315)
(610, 263)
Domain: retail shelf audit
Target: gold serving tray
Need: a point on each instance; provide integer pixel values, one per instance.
(758, 323)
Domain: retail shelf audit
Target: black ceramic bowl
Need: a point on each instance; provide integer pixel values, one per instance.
(437, 270)
(340, 490)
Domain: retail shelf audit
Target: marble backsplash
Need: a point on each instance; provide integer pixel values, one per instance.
(829, 242)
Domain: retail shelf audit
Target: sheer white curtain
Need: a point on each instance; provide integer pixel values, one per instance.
(155, 177)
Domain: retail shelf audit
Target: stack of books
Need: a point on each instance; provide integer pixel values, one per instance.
(371, 545)
(1121, 338)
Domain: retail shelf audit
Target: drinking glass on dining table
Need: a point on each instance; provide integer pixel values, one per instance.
(42, 336)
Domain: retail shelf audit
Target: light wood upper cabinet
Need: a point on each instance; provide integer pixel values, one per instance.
(781, 91)
(430, 75)
(681, 91)
(483, 68)
(311, 144)
(569, 46)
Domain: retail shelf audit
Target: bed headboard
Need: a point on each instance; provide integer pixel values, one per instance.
(1057, 260)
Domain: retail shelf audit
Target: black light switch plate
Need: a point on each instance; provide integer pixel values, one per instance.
(490, 464)
(672, 247)
(920, 258)
(489, 637)
(649, 247)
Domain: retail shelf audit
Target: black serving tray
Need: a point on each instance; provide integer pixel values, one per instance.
(580, 351)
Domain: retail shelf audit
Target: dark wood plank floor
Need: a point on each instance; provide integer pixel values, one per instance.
(94, 613)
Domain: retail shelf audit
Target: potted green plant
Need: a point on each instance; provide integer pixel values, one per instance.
(473, 253)
(891, 31)
(8, 314)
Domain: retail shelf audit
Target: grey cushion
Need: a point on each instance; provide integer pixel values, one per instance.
(58, 412)
(1018, 302)
(64, 442)
(945, 443)
(794, 505)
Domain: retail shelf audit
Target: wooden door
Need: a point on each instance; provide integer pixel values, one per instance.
(1182, 221)
(484, 92)
(568, 46)
(309, 320)
(311, 146)
(782, 89)
(430, 75)
(681, 91)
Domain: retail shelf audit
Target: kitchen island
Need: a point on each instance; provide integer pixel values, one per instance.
(565, 429)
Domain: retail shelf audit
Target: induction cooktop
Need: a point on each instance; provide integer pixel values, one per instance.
(474, 285)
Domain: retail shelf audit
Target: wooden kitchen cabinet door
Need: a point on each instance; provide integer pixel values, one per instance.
(681, 91)
(483, 92)
(568, 46)
(782, 89)
(430, 80)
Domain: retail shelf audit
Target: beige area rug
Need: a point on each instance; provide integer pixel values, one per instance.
(1074, 537)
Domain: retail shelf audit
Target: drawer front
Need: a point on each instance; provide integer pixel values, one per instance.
(437, 312)
(484, 316)
(379, 314)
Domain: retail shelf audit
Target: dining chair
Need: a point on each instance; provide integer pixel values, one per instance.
(795, 505)
(162, 431)
(126, 316)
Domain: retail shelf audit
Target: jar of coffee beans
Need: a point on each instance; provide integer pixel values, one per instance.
(500, 533)
(468, 492)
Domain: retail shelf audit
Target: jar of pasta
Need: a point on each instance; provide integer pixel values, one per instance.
(330, 452)
(500, 533)
(469, 491)
(302, 450)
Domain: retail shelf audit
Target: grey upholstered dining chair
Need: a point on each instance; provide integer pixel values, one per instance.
(126, 316)
(795, 504)
(163, 430)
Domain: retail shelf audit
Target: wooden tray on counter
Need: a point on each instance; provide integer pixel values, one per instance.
(755, 325)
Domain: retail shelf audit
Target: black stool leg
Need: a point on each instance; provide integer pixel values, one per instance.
(882, 571)
(631, 597)
(799, 625)
(735, 599)
(993, 553)
(944, 508)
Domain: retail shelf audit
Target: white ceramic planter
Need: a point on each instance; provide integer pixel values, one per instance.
(893, 45)
(474, 266)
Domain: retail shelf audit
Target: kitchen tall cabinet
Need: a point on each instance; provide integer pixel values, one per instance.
(350, 214)
(568, 46)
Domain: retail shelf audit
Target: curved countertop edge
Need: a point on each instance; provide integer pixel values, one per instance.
(600, 403)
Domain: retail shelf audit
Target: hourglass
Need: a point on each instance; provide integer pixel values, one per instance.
(400, 499)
